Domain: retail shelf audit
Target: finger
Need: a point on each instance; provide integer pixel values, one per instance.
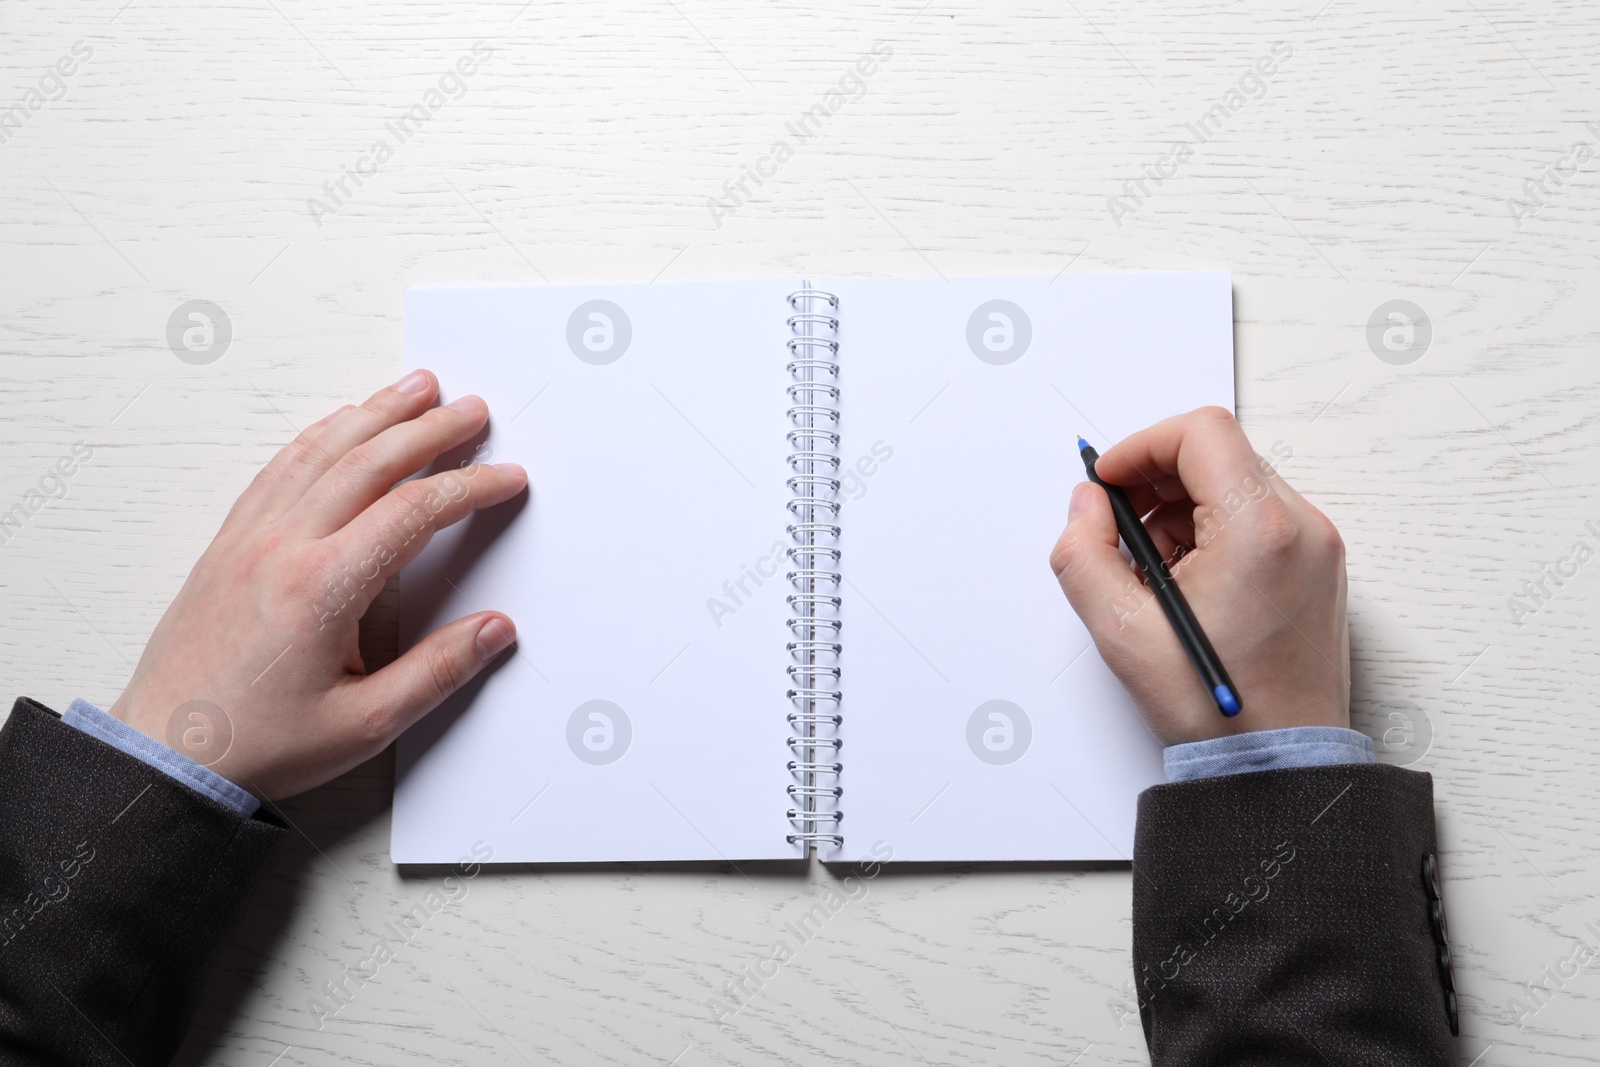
(364, 474)
(294, 469)
(1171, 527)
(1205, 448)
(391, 533)
(1287, 492)
(1260, 504)
(1091, 570)
(1149, 495)
(394, 698)
(1307, 516)
(252, 501)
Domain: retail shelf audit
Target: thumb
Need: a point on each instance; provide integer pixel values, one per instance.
(1092, 571)
(436, 667)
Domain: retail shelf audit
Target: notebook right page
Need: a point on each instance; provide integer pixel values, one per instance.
(979, 721)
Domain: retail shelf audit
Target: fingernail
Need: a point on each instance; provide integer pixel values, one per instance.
(470, 405)
(513, 469)
(413, 383)
(1077, 500)
(494, 638)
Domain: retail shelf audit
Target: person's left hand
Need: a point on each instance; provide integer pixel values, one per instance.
(255, 669)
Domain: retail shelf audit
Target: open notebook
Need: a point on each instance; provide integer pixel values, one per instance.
(782, 581)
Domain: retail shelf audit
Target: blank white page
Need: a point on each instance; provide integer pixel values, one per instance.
(656, 484)
(949, 601)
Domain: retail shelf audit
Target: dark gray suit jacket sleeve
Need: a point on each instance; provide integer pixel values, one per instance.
(116, 884)
(1283, 917)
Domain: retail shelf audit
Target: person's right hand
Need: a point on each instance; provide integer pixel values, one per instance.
(1262, 569)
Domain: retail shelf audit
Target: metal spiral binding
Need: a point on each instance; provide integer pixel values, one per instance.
(814, 603)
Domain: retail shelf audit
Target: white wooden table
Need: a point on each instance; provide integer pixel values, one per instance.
(1377, 163)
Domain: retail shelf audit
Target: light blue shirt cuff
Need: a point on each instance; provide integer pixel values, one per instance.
(1267, 750)
(84, 716)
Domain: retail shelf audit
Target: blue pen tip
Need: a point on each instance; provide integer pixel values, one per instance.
(1082, 445)
(1226, 700)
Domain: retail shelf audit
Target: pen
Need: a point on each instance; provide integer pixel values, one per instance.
(1190, 635)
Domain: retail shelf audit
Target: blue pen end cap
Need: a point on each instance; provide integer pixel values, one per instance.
(1082, 445)
(1226, 700)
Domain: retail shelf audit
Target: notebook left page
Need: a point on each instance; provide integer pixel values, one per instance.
(641, 715)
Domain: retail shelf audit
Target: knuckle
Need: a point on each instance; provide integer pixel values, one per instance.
(1327, 535)
(1277, 534)
(268, 474)
(443, 674)
(1213, 413)
(1065, 557)
(453, 484)
(444, 419)
(416, 509)
(371, 724)
(1071, 559)
(362, 463)
(381, 403)
(300, 459)
(304, 449)
(300, 443)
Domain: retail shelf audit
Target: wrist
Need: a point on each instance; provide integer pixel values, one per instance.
(197, 730)
(1268, 706)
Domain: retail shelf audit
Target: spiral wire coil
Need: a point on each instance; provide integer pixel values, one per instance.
(814, 601)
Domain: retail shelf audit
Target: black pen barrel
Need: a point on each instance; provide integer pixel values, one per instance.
(1195, 644)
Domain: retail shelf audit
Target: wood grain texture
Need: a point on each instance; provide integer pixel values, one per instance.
(1377, 165)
